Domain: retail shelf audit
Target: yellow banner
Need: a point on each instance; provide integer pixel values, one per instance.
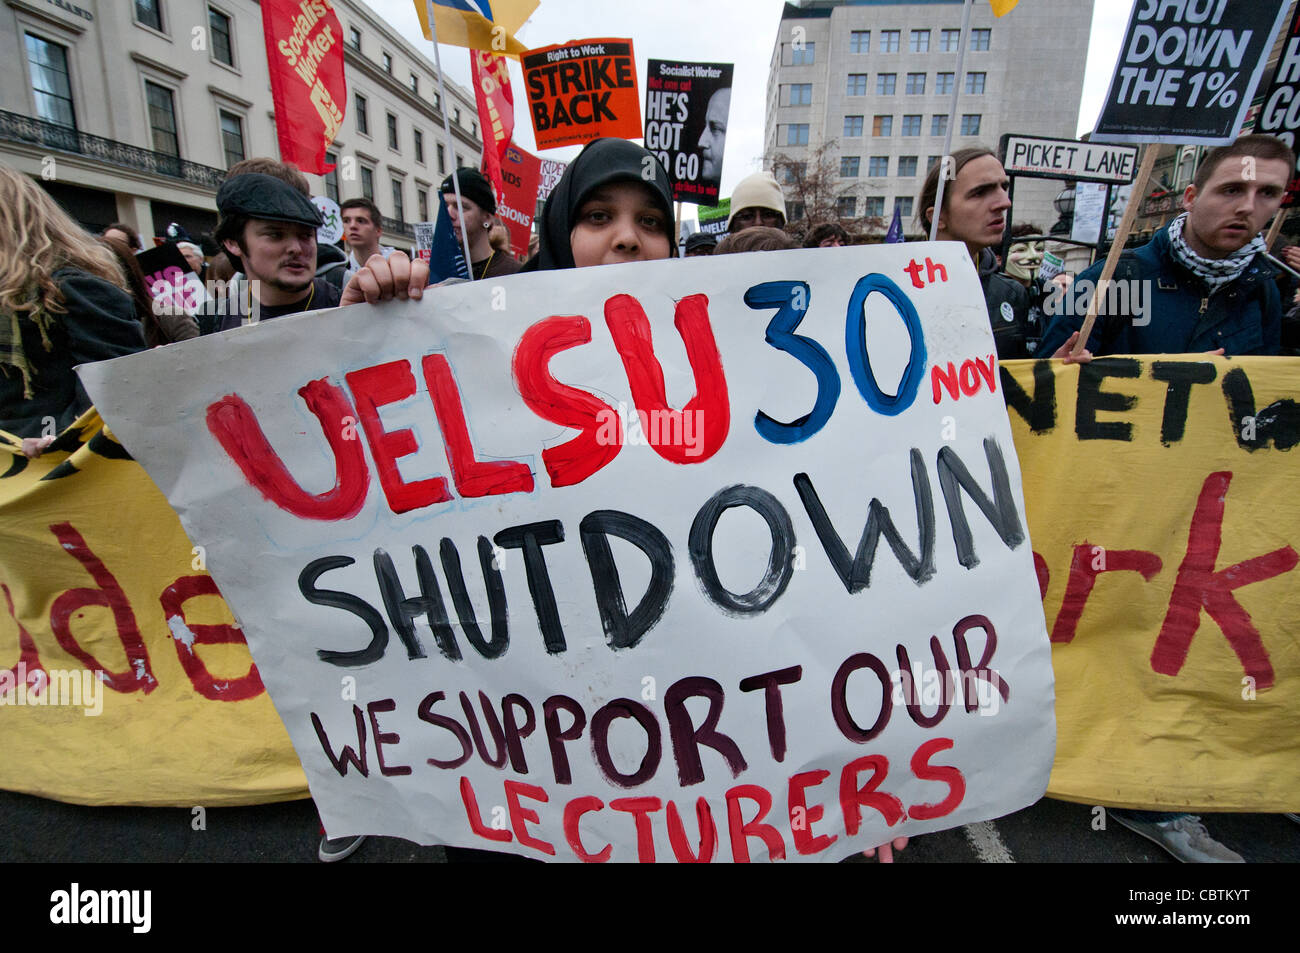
(1161, 497)
(97, 576)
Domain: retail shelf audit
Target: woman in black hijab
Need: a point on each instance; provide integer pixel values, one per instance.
(613, 204)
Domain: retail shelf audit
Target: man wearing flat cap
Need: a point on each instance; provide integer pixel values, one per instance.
(477, 209)
(269, 228)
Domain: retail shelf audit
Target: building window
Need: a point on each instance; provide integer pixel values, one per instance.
(849, 166)
(796, 211)
(442, 160)
(907, 166)
(354, 38)
(878, 166)
(363, 124)
(874, 206)
(912, 125)
(979, 39)
(368, 183)
(939, 124)
(473, 128)
(949, 41)
(799, 94)
(882, 126)
(455, 115)
(919, 41)
(419, 147)
(422, 202)
(219, 27)
(860, 41)
(149, 13)
(889, 41)
(903, 206)
(846, 206)
(852, 126)
(931, 162)
(802, 54)
(48, 64)
(885, 83)
(970, 125)
(332, 177)
(399, 210)
(796, 134)
(162, 119)
(415, 84)
(857, 85)
(387, 62)
(232, 138)
(975, 82)
(943, 84)
(460, 161)
(792, 172)
(915, 84)
(392, 131)
(437, 101)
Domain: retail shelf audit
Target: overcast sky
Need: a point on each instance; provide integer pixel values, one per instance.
(720, 31)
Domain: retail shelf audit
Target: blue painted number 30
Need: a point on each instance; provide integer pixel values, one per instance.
(791, 300)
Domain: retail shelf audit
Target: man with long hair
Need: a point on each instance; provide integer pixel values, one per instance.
(975, 205)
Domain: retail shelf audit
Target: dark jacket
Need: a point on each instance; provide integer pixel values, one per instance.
(1181, 315)
(100, 323)
(1008, 304)
(332, 265)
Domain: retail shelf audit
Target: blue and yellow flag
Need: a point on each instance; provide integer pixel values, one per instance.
(488, 25)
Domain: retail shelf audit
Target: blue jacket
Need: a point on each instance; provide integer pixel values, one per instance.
(1242, 317)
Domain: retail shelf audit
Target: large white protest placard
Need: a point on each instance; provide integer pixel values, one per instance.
(719, 557)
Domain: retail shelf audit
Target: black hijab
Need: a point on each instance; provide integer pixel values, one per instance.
(601, 162)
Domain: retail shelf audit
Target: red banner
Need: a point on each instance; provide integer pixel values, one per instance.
(496, 110)
(517, 201)
(304, 50)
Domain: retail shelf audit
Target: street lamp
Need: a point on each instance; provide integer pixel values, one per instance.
(1064, 205)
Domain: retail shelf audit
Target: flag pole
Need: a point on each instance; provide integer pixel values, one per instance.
(944, 161)
(1117, 246)
(451, 145)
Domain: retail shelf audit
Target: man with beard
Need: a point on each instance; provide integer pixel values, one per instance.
(270, 229)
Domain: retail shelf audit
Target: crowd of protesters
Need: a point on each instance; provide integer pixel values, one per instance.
(68, 297)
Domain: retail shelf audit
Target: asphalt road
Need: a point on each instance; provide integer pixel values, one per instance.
(36, 830)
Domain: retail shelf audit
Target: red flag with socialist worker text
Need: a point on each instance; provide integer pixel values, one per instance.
(304, 51)
(496, 110)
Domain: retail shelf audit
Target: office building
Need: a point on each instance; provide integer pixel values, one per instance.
(870, 82)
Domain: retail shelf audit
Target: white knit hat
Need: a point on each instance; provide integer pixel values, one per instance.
(757, 191)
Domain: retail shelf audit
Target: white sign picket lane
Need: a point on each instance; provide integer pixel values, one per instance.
(1068, 159)
(662, 665)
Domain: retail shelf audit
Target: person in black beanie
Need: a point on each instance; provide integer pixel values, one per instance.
(477, 209)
